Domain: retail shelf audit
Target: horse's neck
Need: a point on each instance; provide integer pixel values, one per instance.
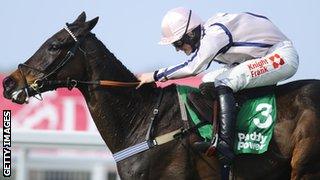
(119, 113)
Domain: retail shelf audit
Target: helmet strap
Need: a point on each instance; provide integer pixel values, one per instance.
(185, 32)
(192, 38)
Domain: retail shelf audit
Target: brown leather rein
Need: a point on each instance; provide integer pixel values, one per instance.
(117, 83)
(35, 87)
(71, 83)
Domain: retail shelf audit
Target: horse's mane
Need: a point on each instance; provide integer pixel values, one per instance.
(114, 65)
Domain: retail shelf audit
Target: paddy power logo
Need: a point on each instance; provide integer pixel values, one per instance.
(254, 140)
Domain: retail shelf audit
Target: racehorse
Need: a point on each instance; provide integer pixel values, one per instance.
(74, 57)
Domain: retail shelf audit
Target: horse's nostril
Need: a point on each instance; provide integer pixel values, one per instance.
(8, 83)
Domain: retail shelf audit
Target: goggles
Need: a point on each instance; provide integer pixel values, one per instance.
(178, 44)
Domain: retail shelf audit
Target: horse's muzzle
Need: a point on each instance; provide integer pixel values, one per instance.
(11, 92)
(8, 84)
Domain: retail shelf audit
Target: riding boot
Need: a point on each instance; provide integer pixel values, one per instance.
(227, 118)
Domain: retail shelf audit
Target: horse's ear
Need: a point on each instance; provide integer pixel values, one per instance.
(81, 18)
(91, 24)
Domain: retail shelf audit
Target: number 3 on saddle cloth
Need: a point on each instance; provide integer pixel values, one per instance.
(255, 118)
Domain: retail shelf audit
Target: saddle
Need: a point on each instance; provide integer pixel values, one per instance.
(205, 105)
(202, 103)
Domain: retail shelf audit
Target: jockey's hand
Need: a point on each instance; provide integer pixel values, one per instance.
(145, 78)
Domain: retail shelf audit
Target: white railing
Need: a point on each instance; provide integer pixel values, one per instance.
(24, 142)
(61, 139)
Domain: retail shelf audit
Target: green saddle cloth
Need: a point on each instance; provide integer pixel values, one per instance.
(204, 131)
(254, 126)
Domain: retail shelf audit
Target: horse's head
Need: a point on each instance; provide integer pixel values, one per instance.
(58, 59)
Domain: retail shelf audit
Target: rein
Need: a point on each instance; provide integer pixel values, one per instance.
(105, 83)
(72, 83)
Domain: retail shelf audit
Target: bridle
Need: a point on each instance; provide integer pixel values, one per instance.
(36, 85)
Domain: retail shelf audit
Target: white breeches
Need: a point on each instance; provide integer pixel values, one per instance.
(279, 64)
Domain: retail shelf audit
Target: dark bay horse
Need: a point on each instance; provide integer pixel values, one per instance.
(122, 115)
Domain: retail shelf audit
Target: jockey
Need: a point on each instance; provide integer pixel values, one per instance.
(253, 50)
